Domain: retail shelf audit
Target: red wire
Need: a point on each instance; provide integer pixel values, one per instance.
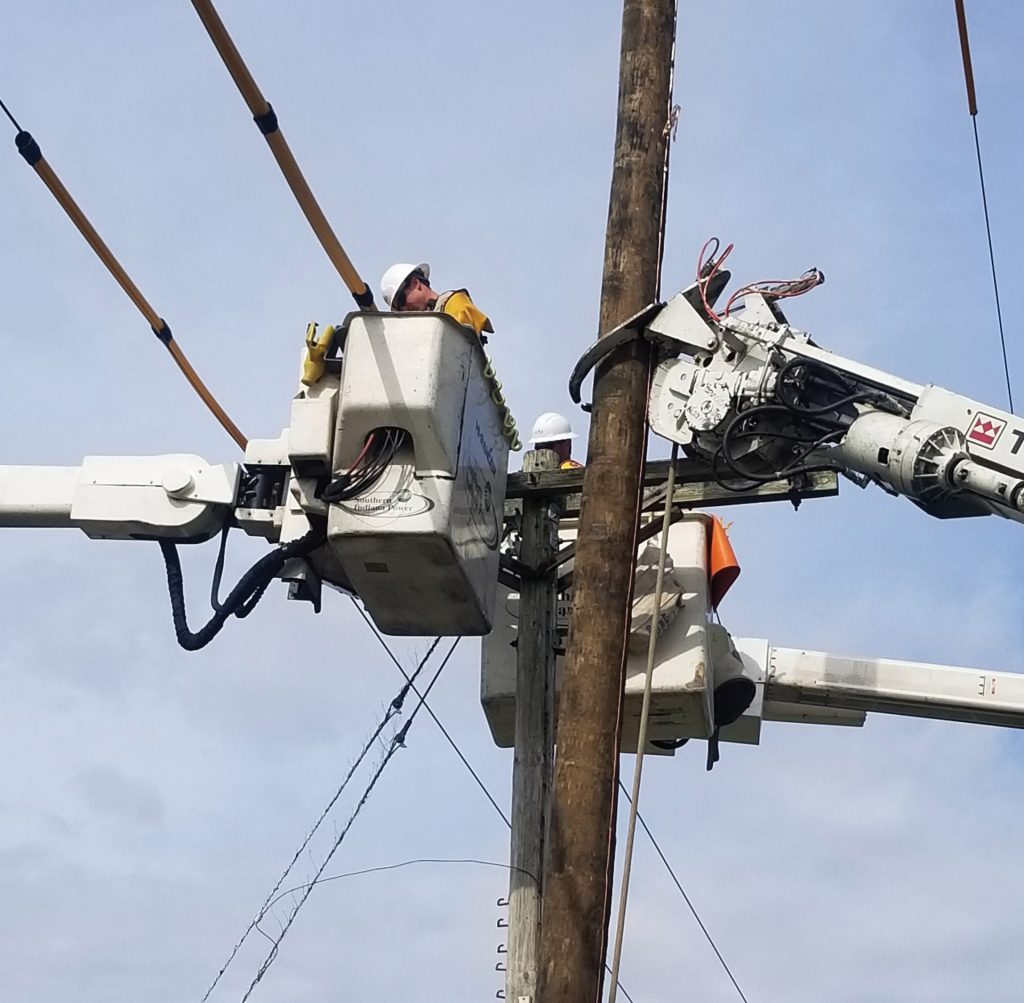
(797, 288)
(702, 285)
(363, 452)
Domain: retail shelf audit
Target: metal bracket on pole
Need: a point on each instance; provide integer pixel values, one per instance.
(695, 488)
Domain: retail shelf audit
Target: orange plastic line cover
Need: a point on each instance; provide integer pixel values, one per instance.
(723, 568)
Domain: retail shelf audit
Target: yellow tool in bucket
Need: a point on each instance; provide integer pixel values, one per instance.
(317, 346)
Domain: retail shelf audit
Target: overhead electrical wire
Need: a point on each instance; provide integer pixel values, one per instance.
(397, 742)
(454, 745)
(444, 731)
(972, 107)
(266, 121)
(394, 708)
(33, 156)
(682, 892)
(7, 112)
(645, 709)
(398, 866)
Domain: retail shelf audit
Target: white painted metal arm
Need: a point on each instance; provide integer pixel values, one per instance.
(888, 686)
(820, 688)
(37, 497)
(757, 398)
(175, 496)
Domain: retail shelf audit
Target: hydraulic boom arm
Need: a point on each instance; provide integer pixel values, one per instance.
(761, 401)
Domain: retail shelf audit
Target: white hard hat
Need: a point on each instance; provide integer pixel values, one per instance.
(551, 427)
(396, 277)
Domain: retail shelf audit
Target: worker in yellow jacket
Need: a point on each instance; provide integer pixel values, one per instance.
(553, 431)
(406, 287)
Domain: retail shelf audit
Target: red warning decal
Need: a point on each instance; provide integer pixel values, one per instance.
(985, 430)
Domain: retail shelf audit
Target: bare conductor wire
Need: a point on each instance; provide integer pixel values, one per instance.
(972, 107)
(14, 121)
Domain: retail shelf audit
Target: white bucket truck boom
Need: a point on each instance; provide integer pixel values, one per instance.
(389, 483)
(759, 400)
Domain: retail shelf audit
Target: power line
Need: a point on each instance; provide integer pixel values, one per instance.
(451, 741)
(992, 263)
(10, 116)
(397, 742)
(686, 898)
(426, 706)
(406, 863)
(394, 708)
(972, 108)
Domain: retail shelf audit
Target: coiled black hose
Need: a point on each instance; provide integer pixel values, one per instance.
(242, 598)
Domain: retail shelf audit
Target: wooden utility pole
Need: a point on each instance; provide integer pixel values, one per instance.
(534, 741)
(580, 855)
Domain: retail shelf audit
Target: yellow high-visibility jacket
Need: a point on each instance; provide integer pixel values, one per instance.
(457, 304)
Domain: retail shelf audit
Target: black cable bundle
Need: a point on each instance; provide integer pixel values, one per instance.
(813, 426)
(376, 456)
(243, 597)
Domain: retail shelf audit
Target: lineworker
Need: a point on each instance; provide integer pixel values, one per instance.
(405, 287)
(553, 431)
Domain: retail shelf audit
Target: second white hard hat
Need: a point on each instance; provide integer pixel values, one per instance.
(396, 277)
(551, 427)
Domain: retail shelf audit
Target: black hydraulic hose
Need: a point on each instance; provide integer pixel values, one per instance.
(250, 604)
(218, 568)
(790, 469)
(242, 598)
(853, 392)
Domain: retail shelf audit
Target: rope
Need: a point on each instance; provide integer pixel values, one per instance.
(668, 135)
(669, 132)
(642, 736)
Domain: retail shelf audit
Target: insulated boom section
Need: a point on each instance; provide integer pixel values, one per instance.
(888, 686)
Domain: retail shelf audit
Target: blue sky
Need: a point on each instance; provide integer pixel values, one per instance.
(151, 797)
